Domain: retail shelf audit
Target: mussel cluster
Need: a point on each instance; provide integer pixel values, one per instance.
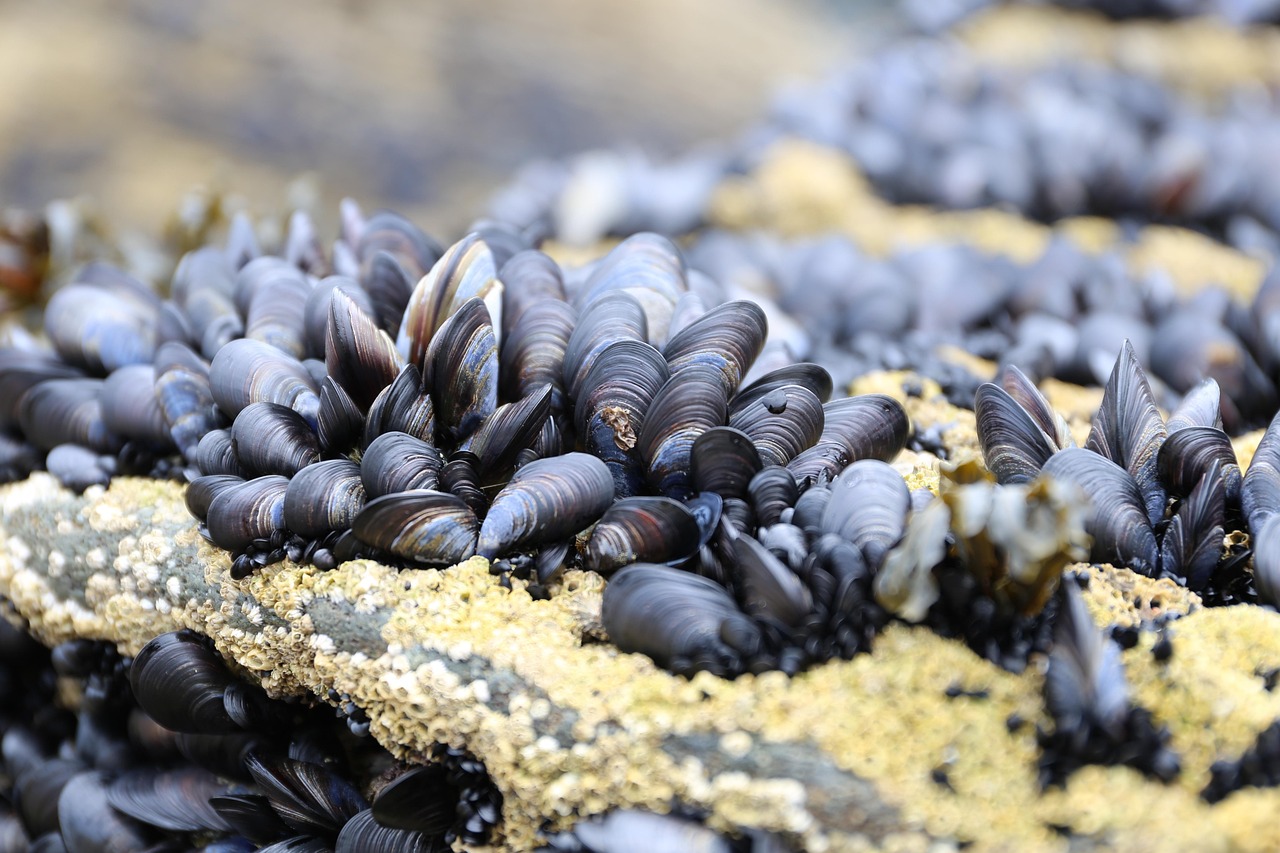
(1237, 12)
(171, 751)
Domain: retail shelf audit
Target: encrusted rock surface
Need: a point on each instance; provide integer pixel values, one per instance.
(860, 755)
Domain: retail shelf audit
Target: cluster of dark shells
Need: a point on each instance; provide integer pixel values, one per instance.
(172, 751)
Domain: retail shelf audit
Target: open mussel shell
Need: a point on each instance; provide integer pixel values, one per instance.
(869, 426)
(421, 799)
(1117, 518)
(340, 423)
(309, 798)
(729, 337)
(869, 506)
(509, 430)
(688, 404)
(88, 822)
(612, 318)
(216, 454)
(359, 356)
(399, 462)
(463, 359)
(202, 490)
(403, 406)
(772, 491)
(323, 497)
(273, 439)
(533, 352)
(677, 618)
(1020, 387)
(465, 271)
(66, 411)
(250, 511)
(1014, 446)
(100, 329)
(1129, 430)
(546, 500)
(246, 371)
(179, 681)
(435, 528)
(1187, 455)
(782, 423)
(642, 529)
(130, 407)
(363, 834)
(770, 590)
(176, 800)
(723, 460)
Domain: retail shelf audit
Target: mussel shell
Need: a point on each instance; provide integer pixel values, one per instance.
(459, 476)
(202, 490)
(316, 311)
(277, 312)
(130, 406)
(76, 467)
(386, 231)
(546, 500)
(359, 356)
(1187, 454)
(806, 374)
(1201, 407)
(642, 529)
(421, 799)
(323, 497)
(246, 371)
(36, 790)
(615, 317)
(205, 268)
(399, 462)
(364, 833)
(688, 404)
(772, 490)
(1192, 544)
(389, 283)
(723, 460)
(241, 514)
(179, 681)
(1266, 558)
(729, 337)
(184, 397)
(273, 439)
(1014, 447)
(175, 800)
(770, 589)
(782, 423)
(465, 271)
(87, 821)
(340, 423)
(216, 454)
(21, 370)
(66, 411)
(642, 263)
(403, 406)
(510, 429)
(425, 526)
(100, 329)
(869, 426)
(251, 816)
(1260, 489)
(1117, 518)
(530, 279)
(308, 797)
(621, 828)
(1028, 396)
(463, 358)
(533, 352)
(675, 617)
(869, 506)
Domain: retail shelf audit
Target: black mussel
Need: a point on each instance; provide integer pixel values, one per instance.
(386, 231)
(550, 561)
(614, 317)
(179, 681)
(302, 247)
(546, 500)
(273, 439)
(316, 311)
(723, 460)
(1265, 536)
(364, 834)
(729, 337)
(398, 462)
(251, 816)
(176, 800)
(403, 406)
(812, 377)
(66, 411)
(202, 490)
(1085, 683)
(640, 265)
(277, 310)
(185, 399)
(222, 754)
(1187, 455)
(89, 823)
(131, 408)
(262, 273)
(687, 405)
(1117, 518)
(421, 799)
(435, 528)
(308, 797)
(869, 426)
(688, 308)
(340, 423)
(389, 283)
(250, 511)
(610, 412)
(787, 542)
(214, 320)
(1014, 445)
(463, 358)
(782, 423)
(1192, 544)
(1129, 430)
(770, 590)
(205, 268)
(23, 369)
(216, 454)
(246, 371)
(359, 356)
(642, 529)
(323, 497)
(76, 467)
(36, 792)
(771, 491)
(533, 352)
(677, 618)
(1260, 488)
(100, 329)
(1201, 407)
(530, 278)
(1028, 396)
(810, 508)
(869, 506)
(509, 430)
(465, 271)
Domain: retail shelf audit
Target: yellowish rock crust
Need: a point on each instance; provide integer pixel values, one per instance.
(840, 758)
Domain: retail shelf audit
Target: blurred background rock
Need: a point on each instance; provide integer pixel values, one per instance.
(425, 107)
